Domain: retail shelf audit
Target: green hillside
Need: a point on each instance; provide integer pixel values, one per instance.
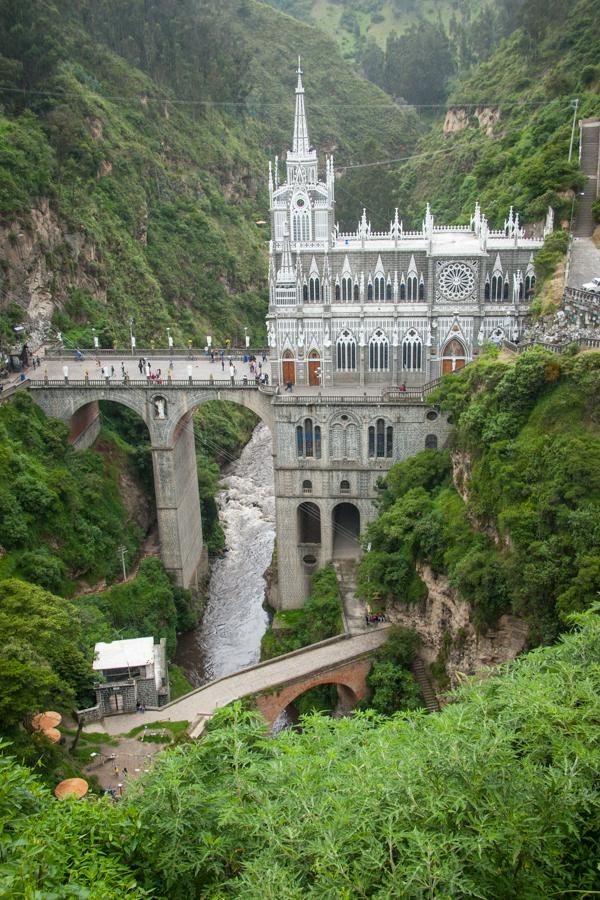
(133, 158)
(526, 539)
(523, 159)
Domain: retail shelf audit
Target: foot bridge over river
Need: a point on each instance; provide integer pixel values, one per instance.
(330, 448)
(344, 661)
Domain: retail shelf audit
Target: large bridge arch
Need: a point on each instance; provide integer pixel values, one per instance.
(350, 679)
(166, 409)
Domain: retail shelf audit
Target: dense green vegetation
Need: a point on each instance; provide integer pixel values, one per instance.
(320, 618)
(526, 539)
(61, 514)
(392, 684)
(496, 796)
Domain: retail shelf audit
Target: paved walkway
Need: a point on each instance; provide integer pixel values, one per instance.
(585, 256)
(203, 702)
(585, 262)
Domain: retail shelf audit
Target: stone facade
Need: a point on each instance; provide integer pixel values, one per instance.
(385, 307)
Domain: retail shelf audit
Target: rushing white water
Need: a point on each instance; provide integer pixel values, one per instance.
(234, 620)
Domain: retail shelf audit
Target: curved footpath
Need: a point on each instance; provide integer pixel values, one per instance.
(200, 704)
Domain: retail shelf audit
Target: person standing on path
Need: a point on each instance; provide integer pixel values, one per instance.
(231, 372)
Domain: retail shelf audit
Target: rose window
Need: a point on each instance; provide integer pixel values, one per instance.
(456, 281)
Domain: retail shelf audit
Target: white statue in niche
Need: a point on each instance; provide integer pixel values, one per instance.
(480, 335)
(395, 337)
(160, 408)
(272, 339)
(300, 338)
(361, 338)
(327, 338)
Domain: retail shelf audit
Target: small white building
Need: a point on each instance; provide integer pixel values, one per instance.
(134, 674)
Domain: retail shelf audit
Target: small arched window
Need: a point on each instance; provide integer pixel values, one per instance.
(308, 440)
(421, 291)
(370, 291)
(337, 292)
(381, 440)
(314, 289)
(307, 486)
(486, 292)
(356, 294)
(305, 293)
(346, 352)
(497, 287)
(388, 291)
(346, 289)
(529, 286)
(412, 287)
(379, 287)
(379, 352)
(412, 351)
(344, 487)
(402, 291)
(505, 290)
(431, 442)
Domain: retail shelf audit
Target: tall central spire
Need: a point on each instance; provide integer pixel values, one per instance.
(301, 145)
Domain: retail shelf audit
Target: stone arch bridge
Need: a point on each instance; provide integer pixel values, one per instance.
(344, 661)
(329, 452)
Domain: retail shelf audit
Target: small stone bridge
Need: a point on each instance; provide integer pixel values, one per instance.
(344, 661)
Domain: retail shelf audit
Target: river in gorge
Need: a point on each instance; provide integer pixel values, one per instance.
(234, 621)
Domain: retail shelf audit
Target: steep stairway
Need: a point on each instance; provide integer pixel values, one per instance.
(354, 608)
(422, 679)
(590, 155)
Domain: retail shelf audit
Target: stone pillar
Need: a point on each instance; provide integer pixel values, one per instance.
(178, 506)
(85, 426)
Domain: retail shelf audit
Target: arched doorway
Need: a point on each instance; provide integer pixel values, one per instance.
(309, 524)
(314, 368)
(346, 531)
(288, 365)
(453, 357)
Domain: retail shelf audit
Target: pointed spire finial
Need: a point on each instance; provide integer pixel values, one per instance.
(301, 145)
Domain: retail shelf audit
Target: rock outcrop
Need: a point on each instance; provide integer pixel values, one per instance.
(444, 623)
(458, 119)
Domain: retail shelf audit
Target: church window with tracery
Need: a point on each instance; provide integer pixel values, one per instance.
(529, 285)
(379, 287)
(314, 289)
(412, 287)
(412, 351)
(346, 352)
(356, 295)
(301, 225)
(346, 289)
(308, 440)
(388, 291)
(497, 286)
(381, 440)
(379, 352)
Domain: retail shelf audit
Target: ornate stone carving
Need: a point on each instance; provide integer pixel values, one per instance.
(456, 281)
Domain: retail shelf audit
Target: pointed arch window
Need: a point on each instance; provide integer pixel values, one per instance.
(314, 289)
(497, 286)
(402, 291)
(412, 351)
(486, 293)
(308, 440)
(301, 225)
(356, 293)
(388, 290)
(305, 293)
(346, 352)
(412, 288)
(379, 352)
(529, 285)
(421, 290)
(346, 289)
(505, 290)
(381, 440)
(379, 287)
(370, 291)
(337, 292)
(344, 440)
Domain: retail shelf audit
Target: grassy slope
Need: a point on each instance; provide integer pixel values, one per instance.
(525, 161)
(172, 222)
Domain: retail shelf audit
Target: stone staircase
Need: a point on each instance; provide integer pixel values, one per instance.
(590, 150)
(354, 609)
(422, 679)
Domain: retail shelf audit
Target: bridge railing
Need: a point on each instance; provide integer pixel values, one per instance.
(167, 384)
(582, 343)
(58, 351)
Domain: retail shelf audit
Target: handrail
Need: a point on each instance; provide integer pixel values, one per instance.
(143, 382)
(58, 352)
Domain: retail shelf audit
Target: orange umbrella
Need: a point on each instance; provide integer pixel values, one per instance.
(71, 787)
(53, 734)
(46, 720)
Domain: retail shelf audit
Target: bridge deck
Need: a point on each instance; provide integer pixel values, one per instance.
(284, 669)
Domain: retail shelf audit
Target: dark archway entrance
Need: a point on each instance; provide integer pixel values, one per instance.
(346, 531)
(309, 524)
